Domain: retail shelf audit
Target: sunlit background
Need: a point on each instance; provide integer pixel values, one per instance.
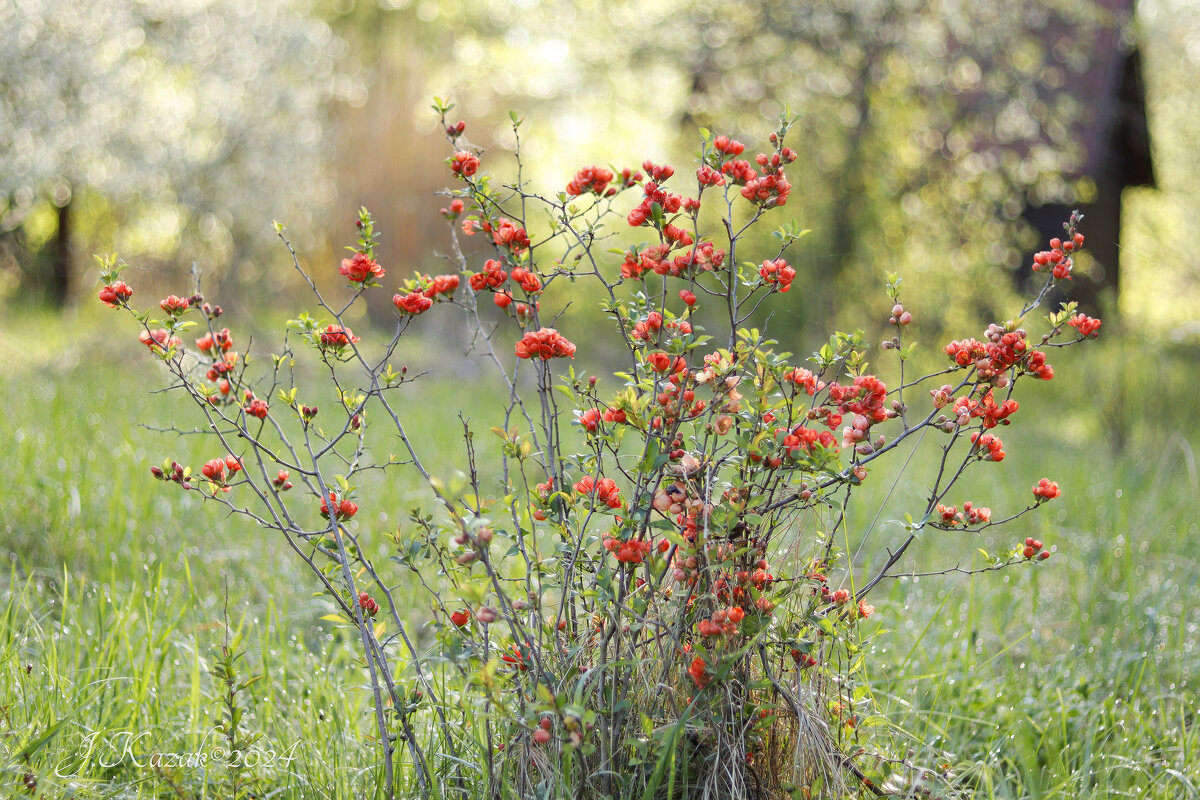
(935, 137)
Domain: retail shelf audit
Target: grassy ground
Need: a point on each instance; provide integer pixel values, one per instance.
(1077, 679)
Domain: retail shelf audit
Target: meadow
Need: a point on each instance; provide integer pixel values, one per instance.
(1074, 679)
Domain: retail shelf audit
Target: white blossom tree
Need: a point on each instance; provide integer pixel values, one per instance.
(188, 123)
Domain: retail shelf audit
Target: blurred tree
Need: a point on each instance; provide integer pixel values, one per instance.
(1161, 285)
(929, 125)
(925, 126)
(186, 124)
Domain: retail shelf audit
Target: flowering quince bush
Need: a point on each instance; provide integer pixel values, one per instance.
(651, 600)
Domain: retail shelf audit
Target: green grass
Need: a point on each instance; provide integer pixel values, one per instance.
(1075, 679)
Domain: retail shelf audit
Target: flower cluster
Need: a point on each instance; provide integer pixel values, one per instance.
(986, 409)
(159, 339)
(215, 469)
(464, 163)
(899, 316)
(1033, 547)
(777, 274)
(1006, 347)
(412, 303)
(604, 490)
(655, 196)
(592, 179)
(804, 379)
(343, 508)
(723, 622)
(510, 236)
(704, 257)
(506, 234)
(1046, 489)
(544, 343)
(361, 269)
(493, 276)
(628, 551)
(335, 337)
(989, 446)
(1058, 258)
(255, 407)
(802, 440)
(116, 294)
(174, 305)
(970, 514)
(527, 280)
(771, 187)
(698, 671)
(174, 472)
(369, 607)
(210, 343)
(439, 285)
(1087, 326)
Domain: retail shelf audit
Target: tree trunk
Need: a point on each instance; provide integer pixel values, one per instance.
(847, 191)
(58, 287)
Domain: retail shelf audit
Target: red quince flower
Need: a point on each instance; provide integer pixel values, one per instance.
(214, 470)
(256, 407)
(361, 269)
(1046, 489)
(337, 337)
(412, 303)
(443, 285)
(159, 338)
(174, 305)
(1087, 326)
(590, 179)
(343, 509)
(544, 343)
(616, 415)
(777, 274)
(590, 420)
(699, 672)
(464, 164)
(370, 607)
(115, 294)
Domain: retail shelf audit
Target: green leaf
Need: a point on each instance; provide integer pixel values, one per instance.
(656, 211)
(873, 721)
(250, 682)
(32, 748)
